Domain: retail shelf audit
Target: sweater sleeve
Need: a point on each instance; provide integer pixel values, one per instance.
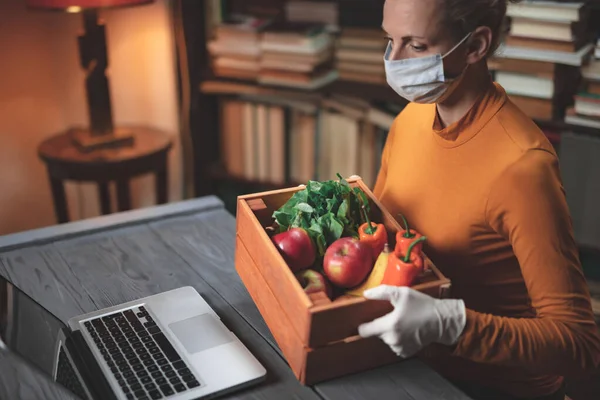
(527, 206)
(385, 155)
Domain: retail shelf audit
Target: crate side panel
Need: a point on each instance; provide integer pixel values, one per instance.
(279, 278)
(271, 311)
(344, 358)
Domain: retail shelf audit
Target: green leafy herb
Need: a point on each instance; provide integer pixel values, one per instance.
(328, 210)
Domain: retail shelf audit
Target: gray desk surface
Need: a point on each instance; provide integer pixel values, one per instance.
(87, 265)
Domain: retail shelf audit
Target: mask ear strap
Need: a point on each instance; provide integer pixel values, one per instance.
(459, 43)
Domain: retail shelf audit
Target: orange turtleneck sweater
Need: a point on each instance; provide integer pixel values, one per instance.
(487, 193)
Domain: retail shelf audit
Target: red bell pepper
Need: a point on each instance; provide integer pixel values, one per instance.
(405, 237)
(375, 235)
(403, 270)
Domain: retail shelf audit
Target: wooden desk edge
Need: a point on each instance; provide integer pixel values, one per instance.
(96, 224)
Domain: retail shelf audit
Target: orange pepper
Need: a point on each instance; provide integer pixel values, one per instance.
(375, 235)
(403, 270)
(405, 237)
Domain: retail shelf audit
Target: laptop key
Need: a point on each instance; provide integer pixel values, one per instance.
(132, 380)
(157, 374)
(139, 393)
(153, 368)
(188, 378)
(147, 339)
(180, 388)
(135, 361)
(150, 386)
(127, 374)
(145, 380)
(166, 347)
(148, 363)
(135, 387)
(166, 368)
(179, 365)
(154, 329)
(130, 315)
(162, 361)
(184, 371)
(167, 390)
(145, 357)
(161, 381)
(175, 380)
(129, 396)
(122, 383)
(170, 374)
(142, 374)
(138, 367)
(193, 384)
(155, 395)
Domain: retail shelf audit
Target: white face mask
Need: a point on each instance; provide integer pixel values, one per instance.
(420, 80)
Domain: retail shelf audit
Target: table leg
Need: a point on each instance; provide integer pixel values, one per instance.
(161, 185)
(123, 198)
(60, 200)
(104, 196)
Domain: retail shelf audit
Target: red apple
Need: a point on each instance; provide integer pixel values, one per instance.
(347, 262)
(313, 282)
(297, 248)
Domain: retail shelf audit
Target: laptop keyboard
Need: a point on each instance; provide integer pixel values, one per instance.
(66, 376)
(140, 356)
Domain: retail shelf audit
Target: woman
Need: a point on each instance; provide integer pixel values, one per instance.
(476, 176)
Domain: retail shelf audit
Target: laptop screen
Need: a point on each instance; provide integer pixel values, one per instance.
(28, 329)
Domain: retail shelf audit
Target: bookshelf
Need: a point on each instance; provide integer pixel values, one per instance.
(208, 90)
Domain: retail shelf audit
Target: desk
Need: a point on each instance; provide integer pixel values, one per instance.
(86, 265)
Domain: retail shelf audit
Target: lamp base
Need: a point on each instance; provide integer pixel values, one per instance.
(87, 141)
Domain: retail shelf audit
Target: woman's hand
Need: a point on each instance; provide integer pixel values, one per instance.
(417, 321)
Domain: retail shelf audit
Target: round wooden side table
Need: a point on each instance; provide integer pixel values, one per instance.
(66, 161)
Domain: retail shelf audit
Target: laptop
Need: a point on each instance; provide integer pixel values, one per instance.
(167, 346)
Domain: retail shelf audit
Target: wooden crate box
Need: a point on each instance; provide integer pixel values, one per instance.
(318, 337)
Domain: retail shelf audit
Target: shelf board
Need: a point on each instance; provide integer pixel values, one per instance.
(365, 91)
(219, 174)
(562, 126)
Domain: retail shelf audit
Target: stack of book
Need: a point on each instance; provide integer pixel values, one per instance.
(296, 54)
(359, 55)
(586, 111)
(326, 12)
(235, 47)
(548, 41)
(273, 139)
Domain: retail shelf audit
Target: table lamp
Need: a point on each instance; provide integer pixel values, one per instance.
(94, 60)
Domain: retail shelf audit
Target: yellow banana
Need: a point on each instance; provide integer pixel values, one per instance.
(376, 275)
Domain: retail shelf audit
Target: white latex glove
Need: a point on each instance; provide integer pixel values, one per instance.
(416, 321)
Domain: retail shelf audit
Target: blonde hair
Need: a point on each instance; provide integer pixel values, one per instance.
(464, 16)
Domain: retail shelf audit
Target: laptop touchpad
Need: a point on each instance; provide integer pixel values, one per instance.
(201, 332)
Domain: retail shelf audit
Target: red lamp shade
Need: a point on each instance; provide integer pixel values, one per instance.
(83, 4)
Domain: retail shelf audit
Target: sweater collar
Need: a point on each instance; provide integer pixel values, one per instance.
(463, 130)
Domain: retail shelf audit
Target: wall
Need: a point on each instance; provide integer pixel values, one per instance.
(42, 93)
